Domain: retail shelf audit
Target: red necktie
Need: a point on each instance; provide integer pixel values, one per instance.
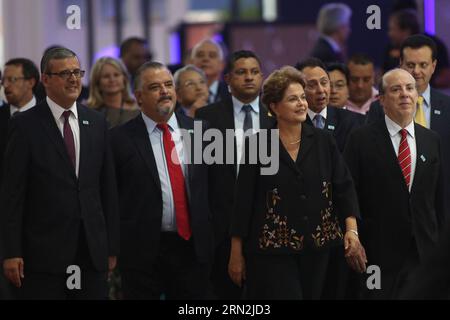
(68, 137)
(404, 157)
(177, 183)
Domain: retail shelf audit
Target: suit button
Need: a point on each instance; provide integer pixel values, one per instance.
(303, 197)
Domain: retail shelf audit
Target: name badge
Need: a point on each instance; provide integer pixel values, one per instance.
(330, 127)
(85, 122)
(438, 112)
(423, 158)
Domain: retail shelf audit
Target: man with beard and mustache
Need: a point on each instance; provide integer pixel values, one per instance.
(59, 197)
(243, 112)
(166, 234)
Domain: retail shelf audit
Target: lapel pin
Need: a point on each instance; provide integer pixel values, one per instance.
(422, 158)
(330, 127)
(85, 122)
(438, 112)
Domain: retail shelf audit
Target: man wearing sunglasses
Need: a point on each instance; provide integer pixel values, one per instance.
(59, 193)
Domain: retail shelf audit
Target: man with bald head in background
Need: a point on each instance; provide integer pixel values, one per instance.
(402, 209)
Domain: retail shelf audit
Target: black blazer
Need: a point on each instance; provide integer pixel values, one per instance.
(5, 114)
(323, 51)
(140, 197)
(391, 216)
(222, 92)
(439, 122)
(222, 177)
(302, 206)
(340, 123)
(44, 203)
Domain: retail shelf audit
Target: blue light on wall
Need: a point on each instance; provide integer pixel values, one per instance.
(428, 8)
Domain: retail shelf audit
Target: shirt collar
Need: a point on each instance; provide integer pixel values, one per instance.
(427, 96)
(332, 43)
(237, 105)
(214, 87)
(57, 110)
(323, 113)
(394, 128)
(27, 106)
(151, 124)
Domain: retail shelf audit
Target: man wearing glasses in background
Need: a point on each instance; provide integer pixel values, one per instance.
(59, 195)
(20, 78)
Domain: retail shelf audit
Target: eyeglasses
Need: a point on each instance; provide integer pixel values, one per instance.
(66, 74)
(11, 80)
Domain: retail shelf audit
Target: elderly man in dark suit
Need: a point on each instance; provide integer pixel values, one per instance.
(418, 56)
(242, 112)
(58, 199)
(166, 233)
(397, 169)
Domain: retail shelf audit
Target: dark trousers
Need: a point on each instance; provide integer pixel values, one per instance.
(222, 286)
(175, 275)
(393, 281)
(50, 286)
(286, 276)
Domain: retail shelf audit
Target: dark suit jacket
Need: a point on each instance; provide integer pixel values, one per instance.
(4, 121)
(222, 92)
(340, 123)
(222, 177)
(391, 216)
(44, 203)
(323, 51)
(301, 206)
(439, 122)
(140, 197)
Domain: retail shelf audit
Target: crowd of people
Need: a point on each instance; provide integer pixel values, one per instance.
(106, 177)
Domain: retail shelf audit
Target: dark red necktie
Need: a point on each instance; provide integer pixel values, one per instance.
(177, 183)
(404, 157)
(68, 138)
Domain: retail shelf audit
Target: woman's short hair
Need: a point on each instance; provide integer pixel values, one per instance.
(277, 82)
(96, 100)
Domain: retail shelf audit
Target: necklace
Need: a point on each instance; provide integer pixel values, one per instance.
(295, 142)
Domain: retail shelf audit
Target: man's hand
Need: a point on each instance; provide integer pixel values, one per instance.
(13, 269)
(354, 252)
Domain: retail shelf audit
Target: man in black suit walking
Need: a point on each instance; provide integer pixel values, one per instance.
(59, 194)
(20, 79)
(166, 234)
(418, 56)
(397, 169)
(241, 112)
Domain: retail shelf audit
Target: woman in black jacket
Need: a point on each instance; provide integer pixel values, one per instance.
(284, 224)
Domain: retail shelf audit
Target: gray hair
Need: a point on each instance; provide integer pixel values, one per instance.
(382, 85)
(55, 53)
(148, 65)
(189, 67)
(331, 16)
(215, 43)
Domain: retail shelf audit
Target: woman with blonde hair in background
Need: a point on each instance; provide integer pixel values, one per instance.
(109, 91)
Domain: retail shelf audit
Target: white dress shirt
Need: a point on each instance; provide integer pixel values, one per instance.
(394, 133)
(239, 116)
(156, 139)
(312, 114)
(30, 104)
(57, 112)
